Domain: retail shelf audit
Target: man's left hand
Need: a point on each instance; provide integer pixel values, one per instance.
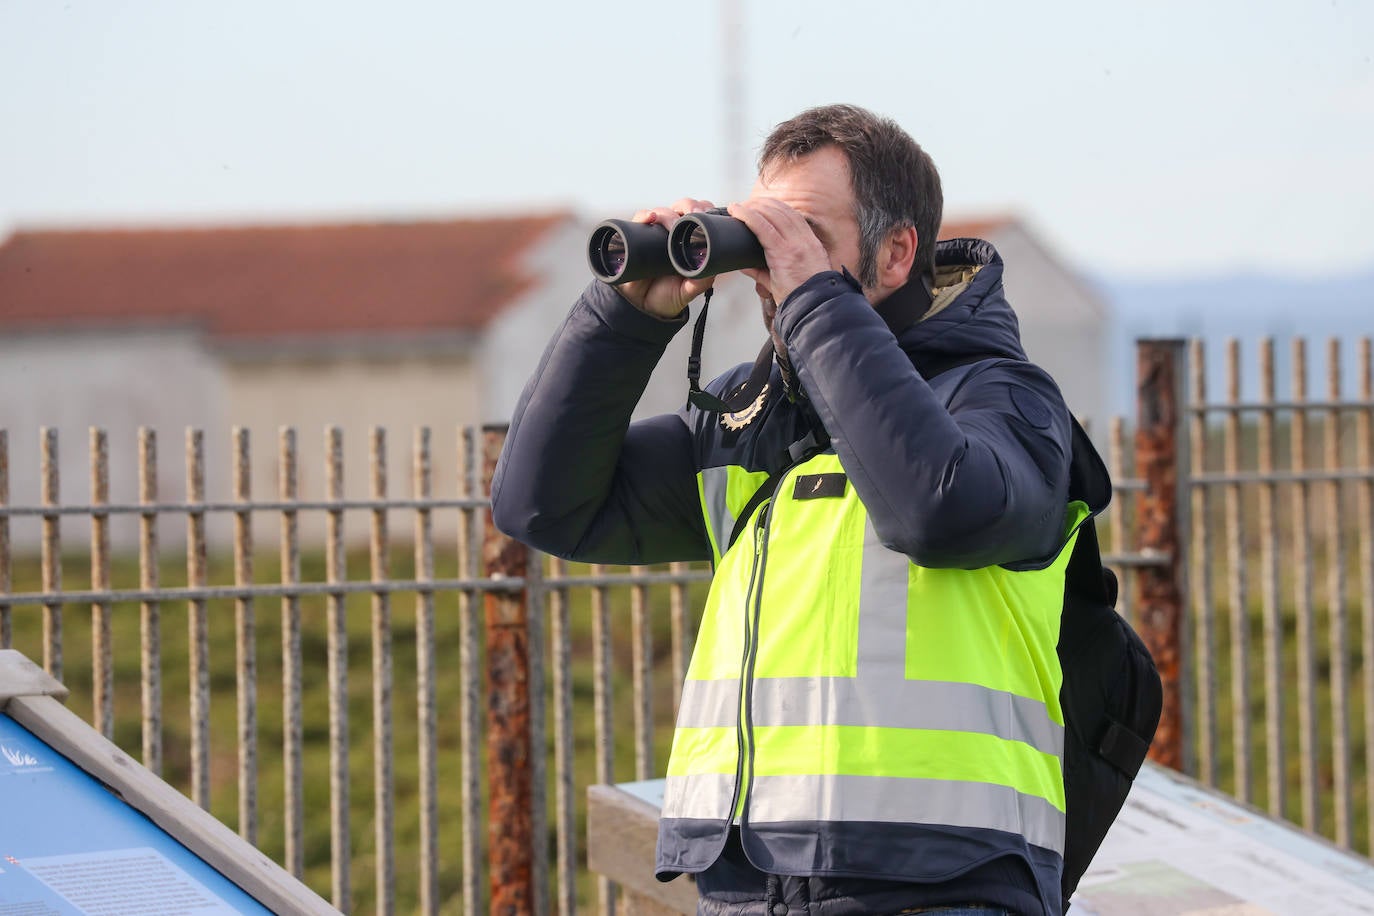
(793, 252)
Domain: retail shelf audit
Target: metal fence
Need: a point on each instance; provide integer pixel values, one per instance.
(475, 691)
(1281, 494)
(494, 684)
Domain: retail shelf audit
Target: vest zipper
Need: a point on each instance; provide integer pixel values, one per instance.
(752, 655)
(746, 660)
(744, 731)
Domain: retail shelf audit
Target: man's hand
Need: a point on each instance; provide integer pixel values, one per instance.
(666, 297)
(793, 252)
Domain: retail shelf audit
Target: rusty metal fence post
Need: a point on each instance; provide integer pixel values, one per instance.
(509, 751)
(1160, 588)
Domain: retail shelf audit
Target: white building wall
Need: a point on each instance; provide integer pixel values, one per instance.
(514, 341)
(118, 381)
(399, 391)
(1063, 327)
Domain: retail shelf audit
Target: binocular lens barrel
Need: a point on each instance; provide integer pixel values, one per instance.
(620, 251)
(710, 243)
(689, 247)
(609, 248)
(700, 245)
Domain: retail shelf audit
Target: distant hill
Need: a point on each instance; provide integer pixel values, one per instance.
(1247, 307)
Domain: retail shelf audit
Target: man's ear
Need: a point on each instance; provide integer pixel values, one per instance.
(896, 257)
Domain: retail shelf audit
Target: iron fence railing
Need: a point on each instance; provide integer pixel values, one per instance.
(410, 724)
(1286, 484)
(457, 644)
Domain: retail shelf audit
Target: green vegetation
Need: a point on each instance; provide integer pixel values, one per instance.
(27, 624)
(1316, 564)
(1216, 545)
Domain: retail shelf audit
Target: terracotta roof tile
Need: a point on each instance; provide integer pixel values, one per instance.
(264, 282)
(977, 228)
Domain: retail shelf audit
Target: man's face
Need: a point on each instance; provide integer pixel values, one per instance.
(817, 186)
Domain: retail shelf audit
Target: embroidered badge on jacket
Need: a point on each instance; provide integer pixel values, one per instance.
(741, 418)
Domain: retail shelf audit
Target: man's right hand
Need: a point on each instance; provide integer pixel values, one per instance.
(666, 297)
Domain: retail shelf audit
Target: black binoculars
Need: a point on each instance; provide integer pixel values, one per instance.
(699, 245)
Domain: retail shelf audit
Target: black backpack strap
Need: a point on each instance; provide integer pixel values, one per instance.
(1085, 574)
(764, 491)
(1090, 482)
(1094, 583)
(1123, 748)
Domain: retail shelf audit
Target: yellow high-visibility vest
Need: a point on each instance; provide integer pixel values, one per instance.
(835, 682)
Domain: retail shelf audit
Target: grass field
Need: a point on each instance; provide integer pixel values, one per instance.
(27, 637)
(1333, 745)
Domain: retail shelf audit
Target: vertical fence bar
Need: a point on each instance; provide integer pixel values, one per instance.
(560, 635)
(536, 591)
(1160, 588)
(470, 700)
(245, 641)
(425, 708)
(1335, 606)
(508, 711)
(642, 669)
(383, 781)
(149, 612)
(102, 631)
(6, 618)
(336, 614)
(1121, 511)
(1364, 447)
(288, 490)
(1237, 577)
(681, 638)
(603, 714)
(51, 554)
(197, 624)
(1204, 604)
(1302, 587)
(1274, 682)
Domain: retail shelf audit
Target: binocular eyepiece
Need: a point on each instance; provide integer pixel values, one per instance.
(699, 245)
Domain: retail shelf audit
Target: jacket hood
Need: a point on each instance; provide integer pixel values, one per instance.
(976, 321)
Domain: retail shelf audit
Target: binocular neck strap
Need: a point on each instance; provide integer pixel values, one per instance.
(744, 394)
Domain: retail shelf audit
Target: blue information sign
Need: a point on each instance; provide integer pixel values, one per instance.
(70, 847)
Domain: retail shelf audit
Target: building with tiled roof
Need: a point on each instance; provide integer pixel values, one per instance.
(269, 283)
(397, 325)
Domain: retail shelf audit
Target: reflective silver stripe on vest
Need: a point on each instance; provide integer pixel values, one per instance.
(896, 800)
(939, 705)
(883, 587)
(714, 482)
(881, 695)
(883, 691)
(701, 797)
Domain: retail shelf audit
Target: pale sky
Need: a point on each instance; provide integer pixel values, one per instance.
(1141, 139)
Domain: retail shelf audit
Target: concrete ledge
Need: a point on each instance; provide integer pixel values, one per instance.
(20, 677)
(622, 829)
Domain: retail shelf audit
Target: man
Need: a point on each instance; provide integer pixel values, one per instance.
(871, 720)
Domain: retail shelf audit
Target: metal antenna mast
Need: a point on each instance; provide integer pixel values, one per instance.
(736, 183)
